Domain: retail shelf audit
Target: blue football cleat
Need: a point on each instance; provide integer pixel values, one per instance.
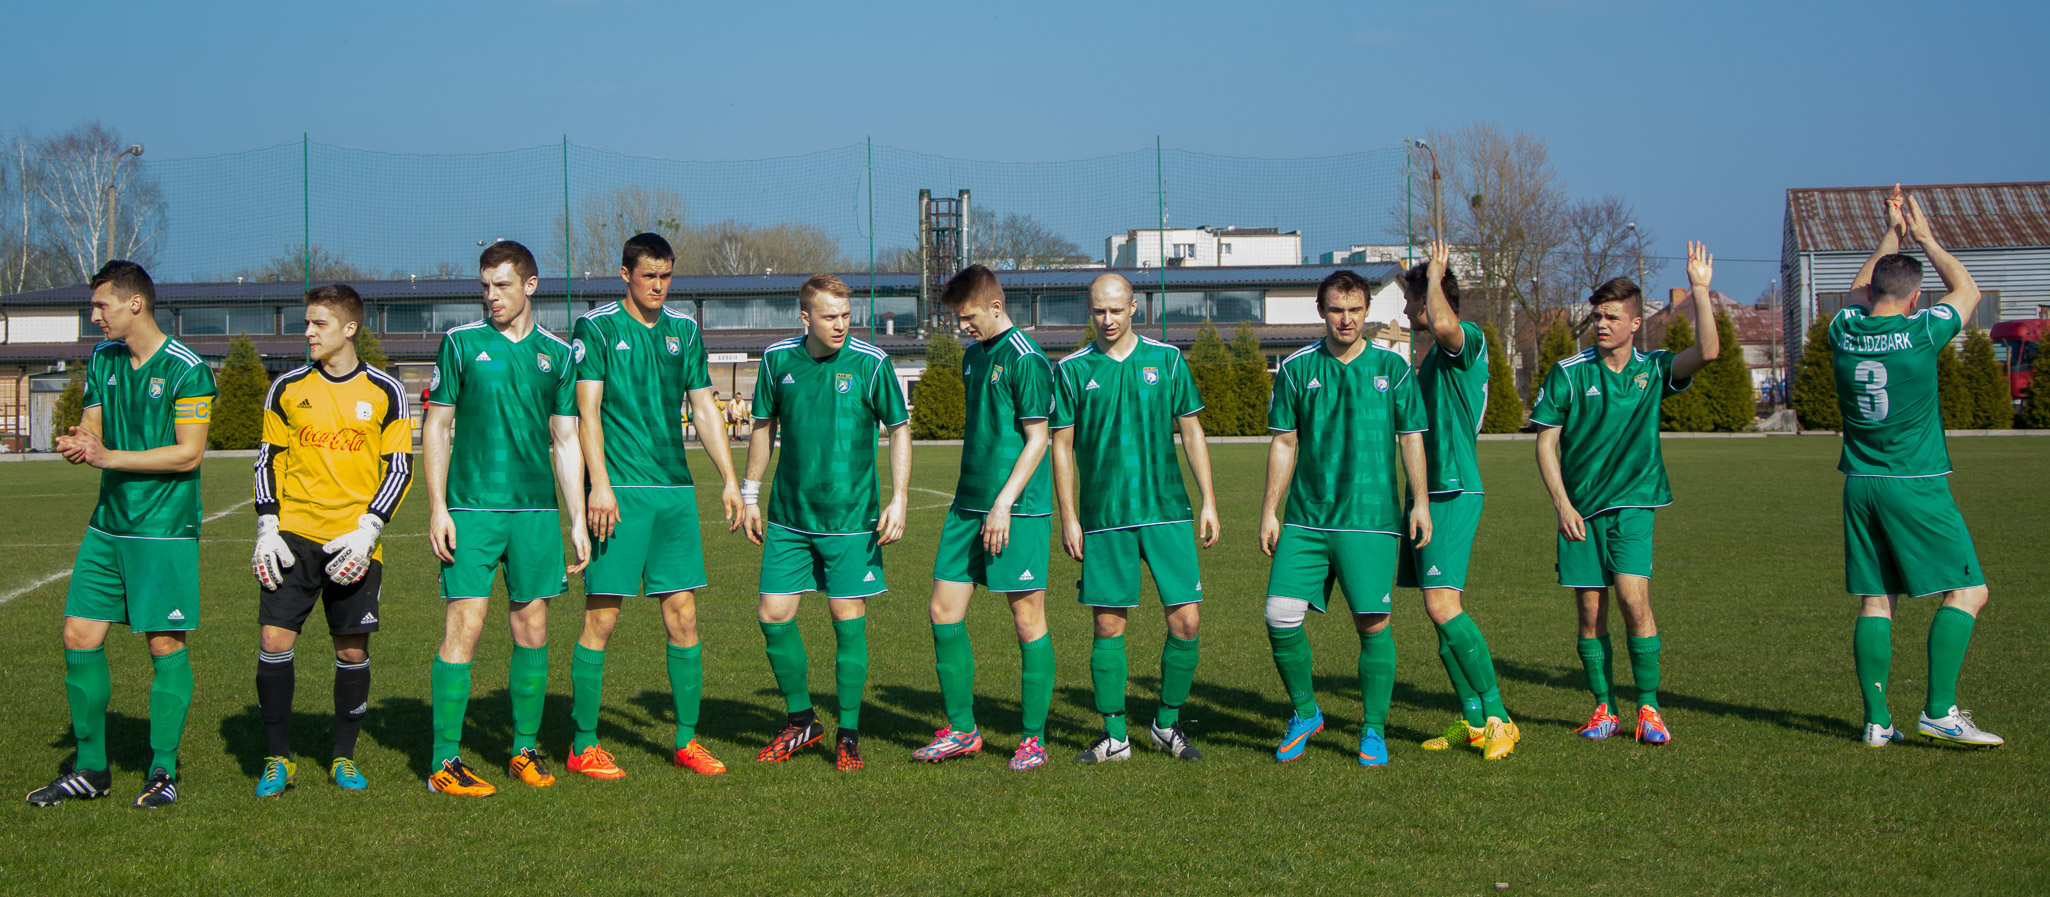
(1373, 749)
(346, 775)
(1297, 738)
(1600, 725)
(278, 773)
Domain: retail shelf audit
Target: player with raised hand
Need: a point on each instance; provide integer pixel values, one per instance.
(1452, 380)
(1598, 454)
(640, 371)
(1120, 401)
(824, 393)
(1903, 534)
(1000, 524)
(501, 405)
(148, 402)
(1341, 408)
(335, 462)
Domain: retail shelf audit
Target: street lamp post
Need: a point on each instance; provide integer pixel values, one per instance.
(113, 177)
(1639, 237)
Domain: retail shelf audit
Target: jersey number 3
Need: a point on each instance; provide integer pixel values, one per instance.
(1871, 376)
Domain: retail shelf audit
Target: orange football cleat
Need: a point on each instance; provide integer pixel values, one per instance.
(695, 758)
(597, 763)
(526, 766)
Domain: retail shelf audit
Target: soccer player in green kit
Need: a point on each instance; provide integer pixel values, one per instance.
(1903, 534)
(824, 393)
(640, 363)
(1000, 525)
(1598, 453)
(502, 400)
(1119, 402)
(1341, 408)
(1453, 382)
(148, 403)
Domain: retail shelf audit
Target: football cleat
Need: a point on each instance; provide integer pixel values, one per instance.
(455, 778)
(790, 740)
(1881, 736)
(596, 762)
(1106, 750)
(695, 758)
(526, 766)
(1498, 739)
(1175, 741)
(1373, 749)
(278, 774)
(1957, 727)
(74, 784)
(1458, 732)
(849, 755)
(1031, 754)
(346, 775)
(948, 744)
(1600, 725)
(160, 791)
(1297, 737)
(1651, 727)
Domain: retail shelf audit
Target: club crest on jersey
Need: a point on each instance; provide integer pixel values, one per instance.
(1941, 310)
(1643, 381)
(675, 345)
(996, 372)
(434, 382)
(541, 358)
(843, 383)
(1150, 375)
(364, 411)
(576, 350)
(1380, 384)
(156, 387)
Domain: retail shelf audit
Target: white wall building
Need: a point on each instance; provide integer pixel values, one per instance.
(1205, 247)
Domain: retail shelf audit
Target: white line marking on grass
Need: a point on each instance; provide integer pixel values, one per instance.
(66, 573)
(949, 496)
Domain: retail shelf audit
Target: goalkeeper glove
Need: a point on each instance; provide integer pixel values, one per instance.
(352, 550)
(272, 554)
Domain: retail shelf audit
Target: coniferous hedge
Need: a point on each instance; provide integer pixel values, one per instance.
(238, 410)
(940, 408)
(1814, 392)
(1987, 383)
(1505, 412)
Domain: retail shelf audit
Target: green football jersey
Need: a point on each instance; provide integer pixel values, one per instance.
(504, 393)
(1609, 441)
(826, 470)
(140, 409)
(1009, 382)
(1346, 417)
(1125, 415)
(1886, 388)
(648, 374)
(1455, 394)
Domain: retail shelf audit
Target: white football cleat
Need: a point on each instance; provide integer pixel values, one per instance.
(1881, 736)
(1958, 727)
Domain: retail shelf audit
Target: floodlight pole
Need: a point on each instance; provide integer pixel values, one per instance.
(870, 141)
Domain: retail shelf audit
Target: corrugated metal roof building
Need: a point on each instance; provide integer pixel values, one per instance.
(2001, 232)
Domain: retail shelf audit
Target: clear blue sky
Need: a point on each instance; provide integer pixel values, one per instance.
(1702, 114)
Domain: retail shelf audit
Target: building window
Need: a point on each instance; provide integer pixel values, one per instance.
(421, 318)
(1184, 250)
(1224, 248)
(1064, 310)
(554, 316)
(223, 320)
(1216, 306)
(750, 314)
(1988, 312)
(1827, 305)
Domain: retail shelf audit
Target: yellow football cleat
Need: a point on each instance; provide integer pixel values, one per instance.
(526, 766)
(1498, 739)
(455, 778)
(1458, 731)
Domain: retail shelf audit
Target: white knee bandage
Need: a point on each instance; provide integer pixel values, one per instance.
(1286, 613)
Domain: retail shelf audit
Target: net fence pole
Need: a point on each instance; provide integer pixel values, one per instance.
(870, 143)
(1160, 195)
(569, 264)
(305, 213)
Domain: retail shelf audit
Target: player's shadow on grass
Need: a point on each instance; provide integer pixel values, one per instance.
(912, 715)
(732, 721)
(1255, 719)
(127, 743)
(881, 723)
(405, 725)
(248, 742)
(1574, 680)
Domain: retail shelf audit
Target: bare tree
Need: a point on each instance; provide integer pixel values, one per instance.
(606, 220)
(1016, 242)
(901, 258)
(1601, 240)
(291, 266)
(95, 204)
(734, 247)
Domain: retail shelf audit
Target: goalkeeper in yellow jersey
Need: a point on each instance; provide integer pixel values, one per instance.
(336, 459)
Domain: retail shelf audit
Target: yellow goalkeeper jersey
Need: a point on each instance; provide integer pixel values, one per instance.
(334, 448)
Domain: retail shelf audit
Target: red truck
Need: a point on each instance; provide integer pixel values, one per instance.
(2023, 341)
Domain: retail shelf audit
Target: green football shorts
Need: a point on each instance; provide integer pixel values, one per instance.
(1110, 565)
(1904, 536)
(1454, 518)
(528, 543)
(1618, 543)
(149, 585)
(1308, 562)
(841, 566)
(1020, 567)
(656, 549)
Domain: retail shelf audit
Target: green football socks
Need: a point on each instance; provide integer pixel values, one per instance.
(1035, 678)
(1644, 669)
(1107, 673)
(790, 664)
(587, 687)
(170, 696)
(449, 685)
(1949, 634)
(850, 669)
(1177, 676)
(1872, 652)
(1594, 659)
(687, 689)
(89, 685)
(1477, 664)
(1292, 661)
(1377, 677)
(955, 663)
(527, 681)
(1469, 700)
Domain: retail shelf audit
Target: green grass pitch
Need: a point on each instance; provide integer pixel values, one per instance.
(1765, 788)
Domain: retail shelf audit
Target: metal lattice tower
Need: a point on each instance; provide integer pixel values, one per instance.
(943, 251)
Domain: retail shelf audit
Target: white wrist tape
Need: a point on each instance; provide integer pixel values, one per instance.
(751, 491)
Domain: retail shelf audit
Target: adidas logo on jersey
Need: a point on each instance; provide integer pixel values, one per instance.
(1594, 390)
(484, 356)
(175, 616)
(871, 577)
(305, 404)
(372, 618)
(1092, 385)
(1313, 384)
(110, 379)
(789, 379)
(1433, 571)
(622, 346)
(1025, 576)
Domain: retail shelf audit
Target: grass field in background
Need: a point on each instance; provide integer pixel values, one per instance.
(1765, 788)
